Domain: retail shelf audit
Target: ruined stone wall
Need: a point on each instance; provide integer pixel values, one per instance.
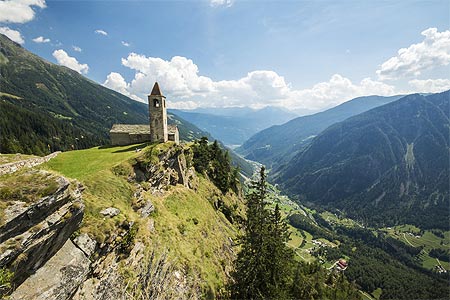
(27, 163)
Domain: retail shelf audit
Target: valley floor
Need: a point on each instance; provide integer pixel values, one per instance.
(322, 244)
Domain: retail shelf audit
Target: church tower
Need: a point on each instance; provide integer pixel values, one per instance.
(158, 115)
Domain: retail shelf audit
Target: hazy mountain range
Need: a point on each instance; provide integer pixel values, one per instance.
(235, 125)
(278, 144)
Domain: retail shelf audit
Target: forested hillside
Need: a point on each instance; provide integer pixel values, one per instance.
(278, 144)
(45, 107)
(387, 166)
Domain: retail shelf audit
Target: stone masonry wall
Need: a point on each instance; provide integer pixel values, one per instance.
(27, 163)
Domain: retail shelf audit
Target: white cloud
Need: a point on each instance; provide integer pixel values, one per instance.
(433, 51)
(116, 82)
(125, 44)
(336, 91)
(430, 85)
(226, 3)
(19, 11)
(14, 35)
(71, 62)
(41, 39)
(102, 32)
(180, 80)
(76, 48)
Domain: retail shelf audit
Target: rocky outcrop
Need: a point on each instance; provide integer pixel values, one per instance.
(27, 163)
(51, 261)
(106, 280)
(110, 212)
(171, 168)
(86, 244)
(33, 232)
(58, 278)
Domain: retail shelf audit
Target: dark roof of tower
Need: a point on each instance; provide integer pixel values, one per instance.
(156, 91)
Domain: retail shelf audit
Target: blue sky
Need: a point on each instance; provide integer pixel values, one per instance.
(307, 55)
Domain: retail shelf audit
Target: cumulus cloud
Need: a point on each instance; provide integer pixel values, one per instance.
(433, 51)
(430, 85)
(71, 62)
(180, 80)
(76, 48)
(41, 39)
(336, 91)
(116, 82)
(14, 35)
(19, 11)
(125, 44)
(226, 3)
(102, 32)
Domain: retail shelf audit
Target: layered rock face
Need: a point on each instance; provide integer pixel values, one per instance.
(32, 232)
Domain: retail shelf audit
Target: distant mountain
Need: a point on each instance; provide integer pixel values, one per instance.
(387, 166)
(45, 107)
(278, 144)
(235, 125)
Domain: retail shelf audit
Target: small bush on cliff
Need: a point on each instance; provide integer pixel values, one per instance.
(5, 278)
(211, 160)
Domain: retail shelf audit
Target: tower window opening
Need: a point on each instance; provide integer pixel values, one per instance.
(155, 102)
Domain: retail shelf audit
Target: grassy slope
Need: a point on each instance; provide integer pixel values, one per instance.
(25, 186)
(410, 235)
(197, 248)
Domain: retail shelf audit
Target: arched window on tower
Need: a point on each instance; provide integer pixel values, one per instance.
(155, 102)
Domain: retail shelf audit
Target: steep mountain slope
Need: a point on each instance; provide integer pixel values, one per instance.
(150, 224)
(45, 107)
(280, 143)
(386, 166)
(235, 125)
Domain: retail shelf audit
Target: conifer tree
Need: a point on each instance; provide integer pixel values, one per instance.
(262, 268)
(281, 257)
(250, 269)
(265, 267)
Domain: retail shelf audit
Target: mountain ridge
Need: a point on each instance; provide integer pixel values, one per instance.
(278, 144)
(393, 154)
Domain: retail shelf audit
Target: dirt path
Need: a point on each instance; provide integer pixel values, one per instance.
(404, 236)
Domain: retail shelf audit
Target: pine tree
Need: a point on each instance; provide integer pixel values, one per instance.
(263, 266)
(250, 270)
(281, 257)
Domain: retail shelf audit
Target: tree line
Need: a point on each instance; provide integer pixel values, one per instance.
(211, 160)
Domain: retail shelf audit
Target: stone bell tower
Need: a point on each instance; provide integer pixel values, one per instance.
(158, 115)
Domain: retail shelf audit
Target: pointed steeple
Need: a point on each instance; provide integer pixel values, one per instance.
(156, 91)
